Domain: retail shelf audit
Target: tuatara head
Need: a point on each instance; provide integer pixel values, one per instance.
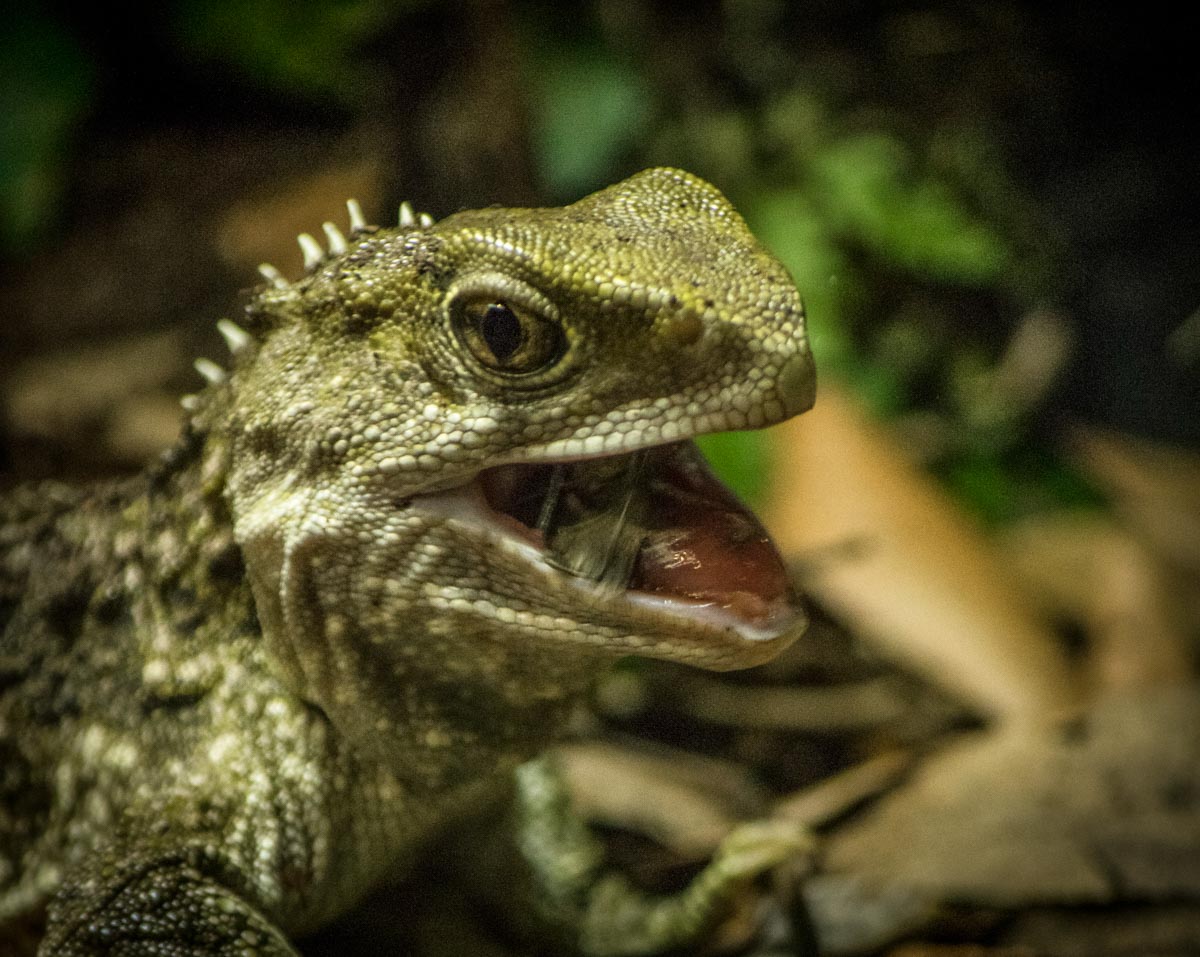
(461, 461)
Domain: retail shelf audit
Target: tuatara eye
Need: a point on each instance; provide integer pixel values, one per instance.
(501, 330)
(508, 338)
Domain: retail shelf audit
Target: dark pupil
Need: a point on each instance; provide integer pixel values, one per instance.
(501, 330)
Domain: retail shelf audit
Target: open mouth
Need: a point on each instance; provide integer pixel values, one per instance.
(655, 526)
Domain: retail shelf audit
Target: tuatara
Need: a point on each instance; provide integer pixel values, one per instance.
(448, 478)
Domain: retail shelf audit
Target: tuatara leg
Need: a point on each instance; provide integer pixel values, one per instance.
(610, 917)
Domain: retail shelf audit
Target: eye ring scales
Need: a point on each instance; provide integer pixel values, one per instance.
(509, 335)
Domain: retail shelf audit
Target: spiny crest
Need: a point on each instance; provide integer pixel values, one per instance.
(408, 218)
(237, 338)
(210, 370)
(315, 254)
(212, 373)
(234, 335)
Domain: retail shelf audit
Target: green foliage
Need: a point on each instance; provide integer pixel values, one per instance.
(46, 87)
(835, 201)
(742, 460)
(302, 48)
(895, 218)
(1003, 488)
(792, 225)
(893, 240)
(885, 233)
(872, 195)
(588, 109)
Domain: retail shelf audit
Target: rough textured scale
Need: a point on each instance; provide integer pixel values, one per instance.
(237, 691)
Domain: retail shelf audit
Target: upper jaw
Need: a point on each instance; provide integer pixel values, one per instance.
(763, 396)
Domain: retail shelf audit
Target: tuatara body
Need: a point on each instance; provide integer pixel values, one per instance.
(446, 480)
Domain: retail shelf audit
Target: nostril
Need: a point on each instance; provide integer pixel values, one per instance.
(797, 383)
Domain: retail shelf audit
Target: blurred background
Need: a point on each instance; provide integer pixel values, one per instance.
(934, 175)
(991, 212)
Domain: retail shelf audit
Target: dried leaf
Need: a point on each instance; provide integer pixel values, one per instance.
(684, 802)
(921, 580)
(831, 798)
(1106, 809)
(1156, 489)
(264, 229)
(115, 398)
(848, 706)
(1087, 568)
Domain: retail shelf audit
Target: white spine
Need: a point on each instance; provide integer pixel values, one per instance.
(210, 370)
(337, 242)
(235, 336)
(357, 222)
(313, 253)
(272, 275)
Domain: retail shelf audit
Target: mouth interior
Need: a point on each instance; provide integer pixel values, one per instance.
(655, 523)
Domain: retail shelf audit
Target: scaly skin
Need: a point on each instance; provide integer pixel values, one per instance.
(237, 691)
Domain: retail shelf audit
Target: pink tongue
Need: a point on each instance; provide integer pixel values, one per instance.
(705, 546)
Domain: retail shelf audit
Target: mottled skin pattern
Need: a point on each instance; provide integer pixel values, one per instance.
(238, 690)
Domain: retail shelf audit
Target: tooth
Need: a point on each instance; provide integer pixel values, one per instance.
(406, 214)
(425, 220)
